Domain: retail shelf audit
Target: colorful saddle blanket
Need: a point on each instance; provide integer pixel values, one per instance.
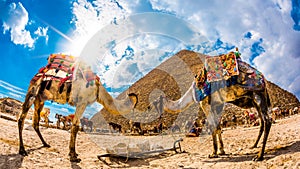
(245, 76)
(60, 67)
(221, 67)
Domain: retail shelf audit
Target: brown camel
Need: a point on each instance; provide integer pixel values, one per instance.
(246, 89)
(56, 82)
(65, 120)
(86, 122)
(115, 126)
(45, 115)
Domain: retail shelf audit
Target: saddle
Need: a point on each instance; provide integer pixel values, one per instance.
(61, 67)
(221, 67)
(231, 69)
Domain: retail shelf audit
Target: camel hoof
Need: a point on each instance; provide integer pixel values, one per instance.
(222, 153)
(75, 159)
(213, 156)
(47, 145)
(258, 158)
(23, 153)
(254, 146)
(73, 154)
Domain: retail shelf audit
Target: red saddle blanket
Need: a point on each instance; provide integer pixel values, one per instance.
(60, 67)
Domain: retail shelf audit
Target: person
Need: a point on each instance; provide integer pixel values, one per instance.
(194, 132)
(195, 124)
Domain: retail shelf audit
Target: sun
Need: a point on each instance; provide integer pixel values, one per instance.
(76, 45)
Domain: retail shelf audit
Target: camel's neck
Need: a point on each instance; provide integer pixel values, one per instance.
(181, 104)
(112, 105)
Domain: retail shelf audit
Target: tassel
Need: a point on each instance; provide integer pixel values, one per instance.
(61, 88)
(49, 83)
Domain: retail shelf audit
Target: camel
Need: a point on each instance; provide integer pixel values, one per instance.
(86, 122)
(135, 127)
(246, 89)
(59, 119)
(115, 126)
(65, 120)
(45, 115)
(67, 80)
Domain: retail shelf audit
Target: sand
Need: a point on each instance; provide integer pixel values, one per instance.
(282, 151)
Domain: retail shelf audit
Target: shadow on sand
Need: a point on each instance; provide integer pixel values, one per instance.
(269, 154)
(123, 162)
(14, 160)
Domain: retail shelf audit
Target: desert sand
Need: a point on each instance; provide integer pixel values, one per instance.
(282, 151)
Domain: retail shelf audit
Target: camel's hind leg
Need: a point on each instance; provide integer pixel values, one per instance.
(25, 107)
(261, 129)
(38, 107)
(262, 107)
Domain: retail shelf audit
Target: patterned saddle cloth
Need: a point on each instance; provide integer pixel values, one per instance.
(60, 67)
(228, 69)
(221, 67)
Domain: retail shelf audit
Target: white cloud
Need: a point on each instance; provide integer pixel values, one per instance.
(228, 21)
(89, 18)
(42, 32)
(15, 23)
(15, 20)
(11, 90)
(146, 52)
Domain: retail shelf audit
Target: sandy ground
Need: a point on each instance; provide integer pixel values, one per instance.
(282, 151)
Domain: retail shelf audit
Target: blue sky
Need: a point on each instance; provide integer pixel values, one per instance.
(266, 32)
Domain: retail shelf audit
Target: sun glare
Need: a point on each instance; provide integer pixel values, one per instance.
(74, 48)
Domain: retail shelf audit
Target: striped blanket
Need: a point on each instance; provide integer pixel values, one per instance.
(60, 67)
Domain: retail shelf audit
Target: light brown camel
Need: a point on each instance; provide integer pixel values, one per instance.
(78, 87)
(45, 115)
(247, 89)
(65, 120)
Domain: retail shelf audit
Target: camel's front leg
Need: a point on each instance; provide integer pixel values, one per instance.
(25, 107)
(221, 145)
(74, 130)
(73, 155)
(20, 126)
(215, 145)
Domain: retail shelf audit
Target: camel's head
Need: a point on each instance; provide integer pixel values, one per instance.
(134, 99)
